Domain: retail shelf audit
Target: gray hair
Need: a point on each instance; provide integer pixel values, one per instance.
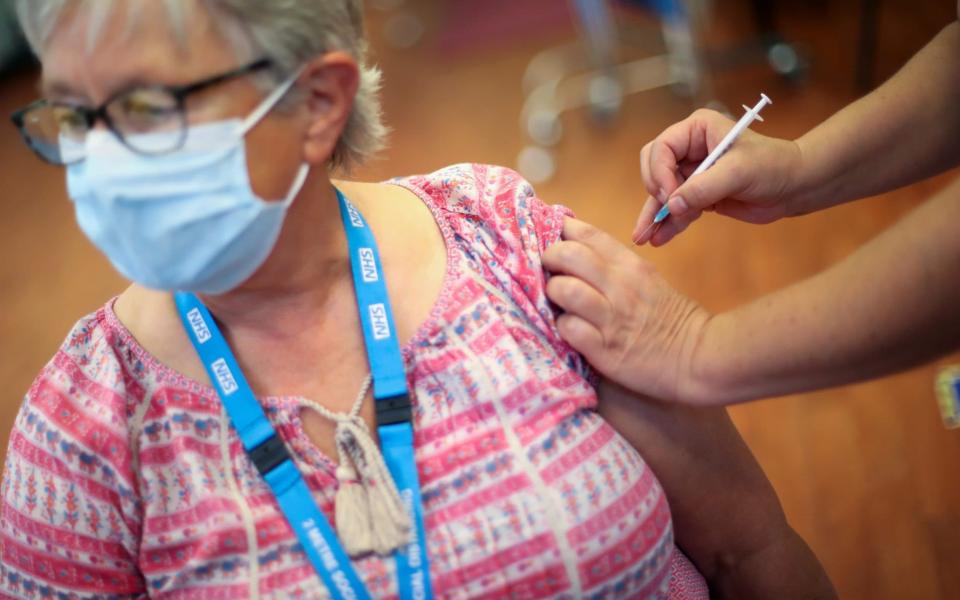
(289, 32)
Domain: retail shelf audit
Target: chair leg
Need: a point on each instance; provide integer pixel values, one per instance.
(590, 75)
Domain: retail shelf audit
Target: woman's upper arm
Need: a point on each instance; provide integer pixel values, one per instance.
(726, 515)
(720, 499)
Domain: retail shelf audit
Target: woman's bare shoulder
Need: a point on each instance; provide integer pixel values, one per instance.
(151, 318)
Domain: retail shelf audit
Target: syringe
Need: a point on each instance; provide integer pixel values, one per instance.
(753, 114)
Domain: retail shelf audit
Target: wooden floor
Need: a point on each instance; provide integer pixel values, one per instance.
(867, 473)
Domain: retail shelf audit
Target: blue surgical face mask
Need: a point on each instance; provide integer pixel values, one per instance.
(188, 220)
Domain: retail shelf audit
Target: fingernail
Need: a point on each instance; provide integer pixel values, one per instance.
(678, 206)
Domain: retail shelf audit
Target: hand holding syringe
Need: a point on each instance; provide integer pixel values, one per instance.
(752, 114)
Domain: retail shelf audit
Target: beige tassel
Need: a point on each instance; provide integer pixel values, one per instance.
(369, 513)
(352, 510)
(390, 523)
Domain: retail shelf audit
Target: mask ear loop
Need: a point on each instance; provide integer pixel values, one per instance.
(269, 103)
(298, 181)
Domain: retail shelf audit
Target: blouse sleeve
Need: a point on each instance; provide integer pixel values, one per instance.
(68, 508)
(523, 227)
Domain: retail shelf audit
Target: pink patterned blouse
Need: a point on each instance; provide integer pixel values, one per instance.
(123, 478)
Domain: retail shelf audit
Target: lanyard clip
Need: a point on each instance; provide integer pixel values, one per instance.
(269, 454)
(394, 409)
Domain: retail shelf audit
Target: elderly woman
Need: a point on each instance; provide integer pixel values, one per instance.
(211, 432)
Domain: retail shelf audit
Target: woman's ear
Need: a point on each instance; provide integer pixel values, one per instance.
(331, 83)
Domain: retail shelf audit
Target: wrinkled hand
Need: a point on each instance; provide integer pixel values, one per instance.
(621, 315)
(751, 182)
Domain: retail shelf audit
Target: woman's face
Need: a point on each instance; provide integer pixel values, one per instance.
(151, 54)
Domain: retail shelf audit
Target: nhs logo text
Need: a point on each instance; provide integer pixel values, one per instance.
(368, 265)
(224, 377)
(378, 322)
(355, 218)
(200, 329)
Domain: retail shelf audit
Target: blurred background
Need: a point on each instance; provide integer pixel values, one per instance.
(568, 92)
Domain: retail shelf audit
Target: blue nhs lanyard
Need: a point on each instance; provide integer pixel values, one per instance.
(270, 456)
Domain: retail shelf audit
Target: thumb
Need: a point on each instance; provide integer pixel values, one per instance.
(701, 192)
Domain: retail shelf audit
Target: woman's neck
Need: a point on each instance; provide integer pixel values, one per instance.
(309, 259)
(299, 309)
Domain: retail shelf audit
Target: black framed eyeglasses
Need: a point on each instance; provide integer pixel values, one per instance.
(148, 120)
